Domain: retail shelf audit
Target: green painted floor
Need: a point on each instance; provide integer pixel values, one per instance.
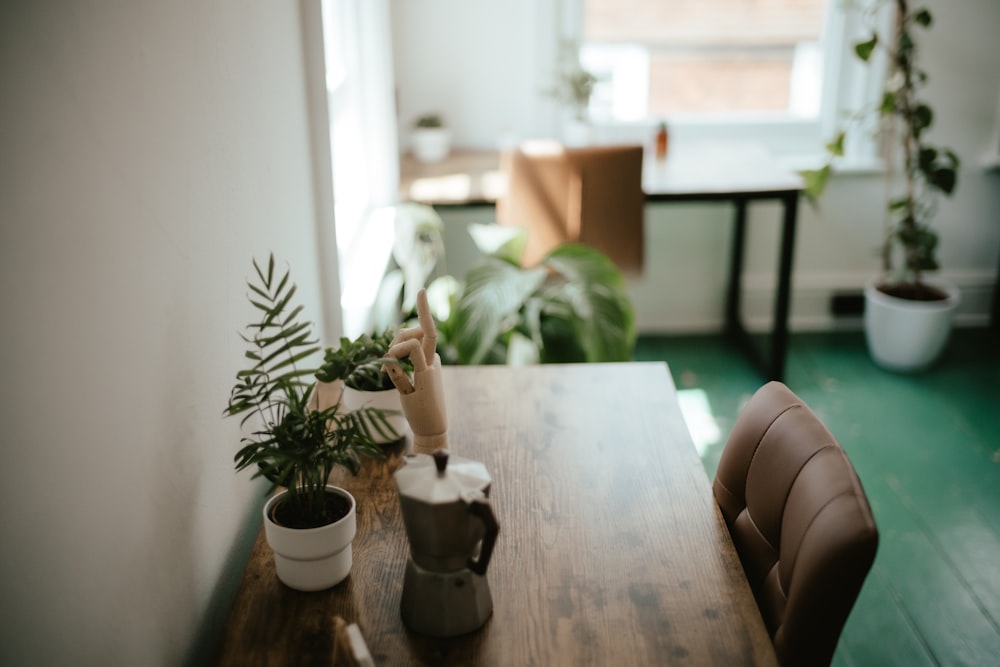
(927, 450)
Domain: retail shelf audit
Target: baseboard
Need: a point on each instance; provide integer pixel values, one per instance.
(812, 295)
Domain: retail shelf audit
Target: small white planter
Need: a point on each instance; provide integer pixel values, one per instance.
(577, 133)
(325, 395)
(387, 400)
(904, 335)
(430, 144)
(312, 559)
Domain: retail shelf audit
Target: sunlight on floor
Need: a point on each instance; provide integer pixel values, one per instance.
(701, 422)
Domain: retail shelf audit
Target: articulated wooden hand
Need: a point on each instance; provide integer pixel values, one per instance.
(423, 396)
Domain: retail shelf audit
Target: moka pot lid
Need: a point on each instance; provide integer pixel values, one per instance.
(440, 478)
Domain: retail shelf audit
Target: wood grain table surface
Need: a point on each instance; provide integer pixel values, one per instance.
(611, 548)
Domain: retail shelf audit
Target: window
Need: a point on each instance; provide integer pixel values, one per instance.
(363, 145)
(778, 71)
(703, 57)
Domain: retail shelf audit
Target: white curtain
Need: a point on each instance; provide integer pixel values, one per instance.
(360, 82)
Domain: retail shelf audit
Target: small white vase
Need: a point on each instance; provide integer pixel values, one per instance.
(387, 400)
(325, 395)
(577, 133)
(312, 559)
(905, 335)
(430, 144)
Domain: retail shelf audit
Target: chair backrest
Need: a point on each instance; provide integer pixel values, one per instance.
(800, 521)
(587, 195)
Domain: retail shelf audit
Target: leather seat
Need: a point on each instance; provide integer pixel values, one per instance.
(588, 195)
(800, 521)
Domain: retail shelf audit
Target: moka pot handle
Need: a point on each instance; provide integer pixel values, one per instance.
(481, 508)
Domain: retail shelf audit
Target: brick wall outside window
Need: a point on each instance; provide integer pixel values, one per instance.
(710, 55)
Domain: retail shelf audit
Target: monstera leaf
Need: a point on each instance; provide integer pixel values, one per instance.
(572, 307)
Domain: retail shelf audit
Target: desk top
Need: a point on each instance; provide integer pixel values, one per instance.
(611, 548)
(694, 170)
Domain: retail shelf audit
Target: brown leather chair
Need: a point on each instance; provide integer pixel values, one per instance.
(586, 195)
(800, 521)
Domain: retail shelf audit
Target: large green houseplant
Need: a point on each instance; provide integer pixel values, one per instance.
(907, 316)
(293, 443)
(572, 307)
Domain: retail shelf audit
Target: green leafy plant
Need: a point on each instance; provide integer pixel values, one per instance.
(293, 445)
(417, 251)
(928, 170)
(574, 83)
(429, 120)
(571, 307)
(358, 362)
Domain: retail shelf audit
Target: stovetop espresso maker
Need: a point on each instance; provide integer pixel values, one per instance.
(452, 530)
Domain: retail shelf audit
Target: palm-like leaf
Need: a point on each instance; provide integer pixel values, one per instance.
(294, 446)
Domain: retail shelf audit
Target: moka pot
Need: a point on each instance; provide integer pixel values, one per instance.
(452, 531)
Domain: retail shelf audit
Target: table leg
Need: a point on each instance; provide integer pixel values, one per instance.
(779, 339)
(995, 310)
(734, 329)
(733, 323)
(773, 368)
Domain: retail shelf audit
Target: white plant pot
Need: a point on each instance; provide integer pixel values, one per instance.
(312, 559)
(577, 133)
(430, 144)
(325, 395)
(905, 335)
(387, 400)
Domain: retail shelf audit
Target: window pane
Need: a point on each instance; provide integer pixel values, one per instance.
(661, 57)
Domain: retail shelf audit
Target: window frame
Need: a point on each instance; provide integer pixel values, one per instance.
(848, 86)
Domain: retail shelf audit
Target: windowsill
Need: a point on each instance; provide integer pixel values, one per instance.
(794, 142)
(841, 167)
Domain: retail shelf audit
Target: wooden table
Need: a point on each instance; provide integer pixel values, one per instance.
(611, 549)
(738, 173)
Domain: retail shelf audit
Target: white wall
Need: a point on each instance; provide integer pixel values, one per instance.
(484, 63)
(148, 150)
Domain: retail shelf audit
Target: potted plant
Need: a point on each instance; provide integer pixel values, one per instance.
(572, 307)
(309, 524)
(907, 316)
(430, 139)
(574, 87)
(417, 249)
(366, 387)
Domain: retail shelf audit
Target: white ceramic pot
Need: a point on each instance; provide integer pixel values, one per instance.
(430, 144)
(325, 395)
(577, 133)
(905, 335)
(387, 400)
(312, 559)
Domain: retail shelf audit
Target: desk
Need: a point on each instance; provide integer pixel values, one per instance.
(611, 551)
(738, 173)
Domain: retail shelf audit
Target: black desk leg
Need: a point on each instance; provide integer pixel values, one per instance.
(734, 325)
(774, 367)
(779, 340)
(734, 328)
(995, 311)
